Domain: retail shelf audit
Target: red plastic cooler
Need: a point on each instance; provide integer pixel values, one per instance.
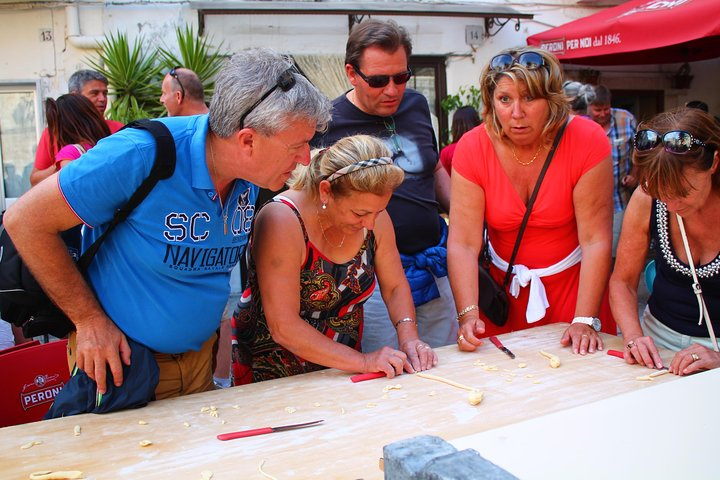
(32, 374)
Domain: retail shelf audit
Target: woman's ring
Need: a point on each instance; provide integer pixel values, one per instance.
(583, 335)
(461, 338)
(630, 344)
(695, 357)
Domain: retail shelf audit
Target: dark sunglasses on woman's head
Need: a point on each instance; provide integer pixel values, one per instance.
(529, 60)
(379, 81)
(173, 73)
(678, 142)
(284, 82)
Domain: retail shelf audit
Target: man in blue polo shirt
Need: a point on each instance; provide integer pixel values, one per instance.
(161, 278)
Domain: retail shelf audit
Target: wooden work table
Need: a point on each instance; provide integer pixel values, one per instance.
(359, 418)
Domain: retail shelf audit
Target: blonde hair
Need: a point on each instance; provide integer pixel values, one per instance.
(377, 179)
(544, 82)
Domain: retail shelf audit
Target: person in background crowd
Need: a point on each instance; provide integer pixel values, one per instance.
(619, 126)
(10, 335)
(316, 252)
(74, 125)
(90, 84)
(379, 104)
(699, 104)
(464, 119)
(182, 93)
(579, 95)
(563, 264)
(160, 279)
(676, 156)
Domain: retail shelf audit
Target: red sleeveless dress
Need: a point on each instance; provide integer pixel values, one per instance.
(551, 233)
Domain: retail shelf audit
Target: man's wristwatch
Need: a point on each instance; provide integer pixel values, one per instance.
(593, 322)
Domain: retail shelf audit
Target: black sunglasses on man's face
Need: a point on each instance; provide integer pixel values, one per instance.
(284, 82)
(379, 81)
(173, 73)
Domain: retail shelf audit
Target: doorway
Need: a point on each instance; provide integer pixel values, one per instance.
(19, 114)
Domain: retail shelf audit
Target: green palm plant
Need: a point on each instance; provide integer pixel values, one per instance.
(197, 54)
(134, 76)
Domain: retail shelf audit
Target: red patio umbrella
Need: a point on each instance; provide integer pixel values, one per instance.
(638, 32)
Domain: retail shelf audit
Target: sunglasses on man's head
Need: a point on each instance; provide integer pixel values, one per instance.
(285, 81)
(678, 142)
(529, 60)
(379, 81)
(173, 73)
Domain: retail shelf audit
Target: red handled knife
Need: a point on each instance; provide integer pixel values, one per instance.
(264, 430)
(502, 347)
(619, 354)
(361, 377)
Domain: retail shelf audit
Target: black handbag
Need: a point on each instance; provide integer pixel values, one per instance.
(493, 299)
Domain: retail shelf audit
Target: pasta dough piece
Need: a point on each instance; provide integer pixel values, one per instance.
(145, 443)
(263, 473)
(206, 475)
(475, 397)
(554, 359)
(30, 444)
(445, 380)
(58, 475)
(652, 376)
(77, 430)
(387, 388)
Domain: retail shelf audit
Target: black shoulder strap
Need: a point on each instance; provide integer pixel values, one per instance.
(163, 168)
(531, 202)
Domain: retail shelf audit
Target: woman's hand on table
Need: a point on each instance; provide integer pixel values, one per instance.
(469, 334)
(420, 355)
(693, 359)
(583, 339)
(387, 360)
(642, 350)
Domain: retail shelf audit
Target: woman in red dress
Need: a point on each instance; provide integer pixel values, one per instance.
(563, 264)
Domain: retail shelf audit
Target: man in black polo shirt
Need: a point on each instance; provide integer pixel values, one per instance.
(376, 61)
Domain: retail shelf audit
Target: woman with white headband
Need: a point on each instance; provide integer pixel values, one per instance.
(315, 253)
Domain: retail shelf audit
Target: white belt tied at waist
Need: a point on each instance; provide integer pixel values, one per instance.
(522, 276)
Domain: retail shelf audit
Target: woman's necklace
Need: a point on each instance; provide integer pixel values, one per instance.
(219, 194)
(525, 164)
(322, 230)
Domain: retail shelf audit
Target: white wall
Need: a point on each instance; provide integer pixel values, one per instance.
(25, 56)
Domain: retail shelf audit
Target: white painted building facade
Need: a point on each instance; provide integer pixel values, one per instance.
(43, 42)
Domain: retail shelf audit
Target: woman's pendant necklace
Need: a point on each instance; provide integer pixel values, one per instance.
(525, 164)
(322, 230)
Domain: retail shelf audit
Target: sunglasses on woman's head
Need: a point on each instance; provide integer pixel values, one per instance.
(379, 81)
(678, 142)
(529, 60)
(285, 81)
